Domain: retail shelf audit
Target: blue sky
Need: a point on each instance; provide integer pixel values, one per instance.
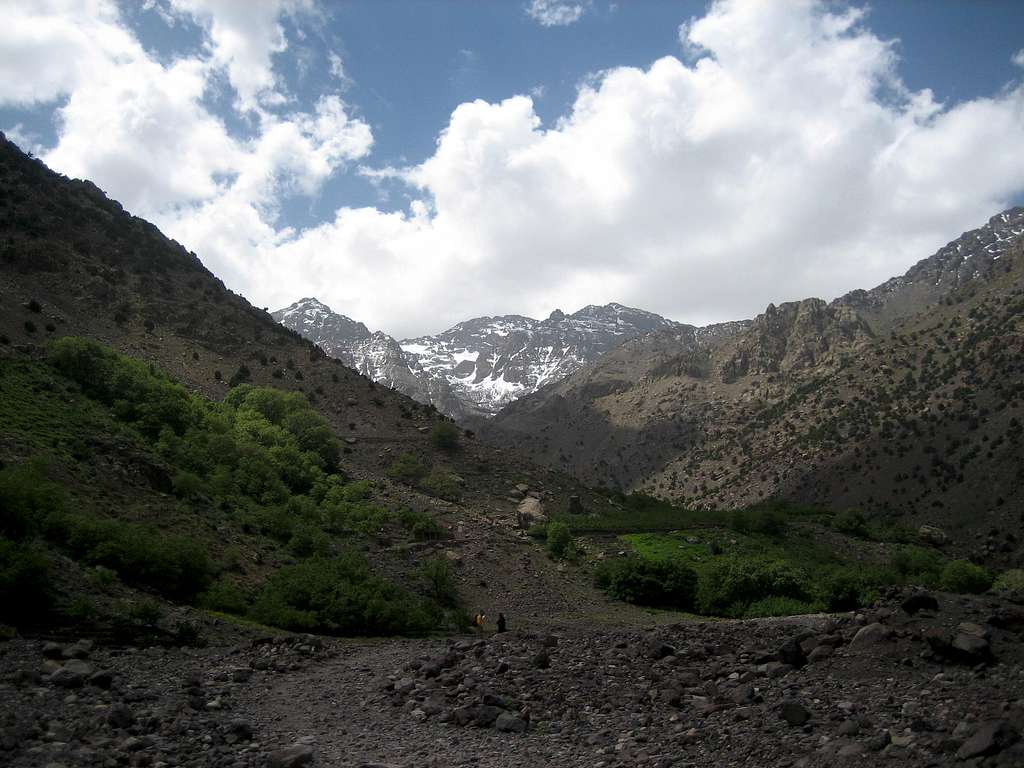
(313, 165)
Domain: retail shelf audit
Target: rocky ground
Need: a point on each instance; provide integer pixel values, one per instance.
(919, 680)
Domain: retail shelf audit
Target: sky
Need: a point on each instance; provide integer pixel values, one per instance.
(414, 163)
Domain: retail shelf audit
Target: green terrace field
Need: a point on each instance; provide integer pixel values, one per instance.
(769, 560)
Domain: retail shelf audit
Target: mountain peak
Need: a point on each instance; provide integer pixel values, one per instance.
(479, 365)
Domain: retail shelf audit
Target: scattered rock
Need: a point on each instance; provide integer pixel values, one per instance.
(509, 723)
(291, 757)
(930, 534)
(869, 635)
(919, 601)
(991, 737)
(794, 713)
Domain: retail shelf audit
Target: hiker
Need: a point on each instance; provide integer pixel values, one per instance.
(501, 622)
(478, 622)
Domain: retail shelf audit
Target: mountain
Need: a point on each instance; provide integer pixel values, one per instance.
(476, 367)
(905, 400)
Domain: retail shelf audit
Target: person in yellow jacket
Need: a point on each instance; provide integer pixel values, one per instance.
(478, 622)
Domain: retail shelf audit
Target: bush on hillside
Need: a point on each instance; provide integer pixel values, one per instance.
(728, 585)
(559, 539)
(779, 606)
(407, 468)
(26, 498)
(851, 522)
(441, 584)
(445, 436)
(421, 526)
(850, 589)
(173, 566)
(24, 581)
(443, 485)
(225, 596)
(1010, 584)
(662, 584)
(339, 596)
(965, 577)
(767, 521)
(918, 565)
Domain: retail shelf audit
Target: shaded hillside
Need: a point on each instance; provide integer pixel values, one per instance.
(879, 400)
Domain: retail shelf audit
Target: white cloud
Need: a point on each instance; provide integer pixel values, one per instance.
(556, 13)
(140, 128)
(243, 38)
(1018, 58)
(788, 161)
(785, 160)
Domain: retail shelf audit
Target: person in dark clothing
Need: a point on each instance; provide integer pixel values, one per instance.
(501, 622)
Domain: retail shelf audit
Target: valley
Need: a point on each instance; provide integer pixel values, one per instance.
(225, 544)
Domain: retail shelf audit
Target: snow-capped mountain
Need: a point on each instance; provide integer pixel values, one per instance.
(478, 366)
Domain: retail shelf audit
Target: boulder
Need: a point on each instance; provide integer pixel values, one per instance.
(869, 635)
(530, 512)
(509, 723)
(991, 737)
(794, 713)
(792, 653)
(930, 534)
(291, 757)
(72, 675)
(919, 601)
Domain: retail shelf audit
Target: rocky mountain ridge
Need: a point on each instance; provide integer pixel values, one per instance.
(903, 400)
(476, 367)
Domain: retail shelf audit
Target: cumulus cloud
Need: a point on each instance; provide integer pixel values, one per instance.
(243, 37)
(141, 130)
(556, 13)
(1018, 58)
(784, 159)
(788, 161)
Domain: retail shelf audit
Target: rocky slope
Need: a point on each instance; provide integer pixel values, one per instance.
(904, 400)
(477, 367)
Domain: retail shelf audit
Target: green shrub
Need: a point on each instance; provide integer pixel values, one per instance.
(173, 566)
(187, 485)
(445, 436)
(443, 485)
(918, 565)
(662, 584)
(851, 522)
(407, 468)
(440, 578)
(225, 596)
(728, 585)
(850, 589)
(339, 596)
(26, 498)
(24, 580)
(308, 540)
(765, 520)
(1010, 584)
(102, 576)
(966, 577)
(559, 539)
(779, 606)
(81, 609)
(145, 612)
(421, 526)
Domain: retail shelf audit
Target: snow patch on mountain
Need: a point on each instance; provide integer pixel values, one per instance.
(478, 366)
